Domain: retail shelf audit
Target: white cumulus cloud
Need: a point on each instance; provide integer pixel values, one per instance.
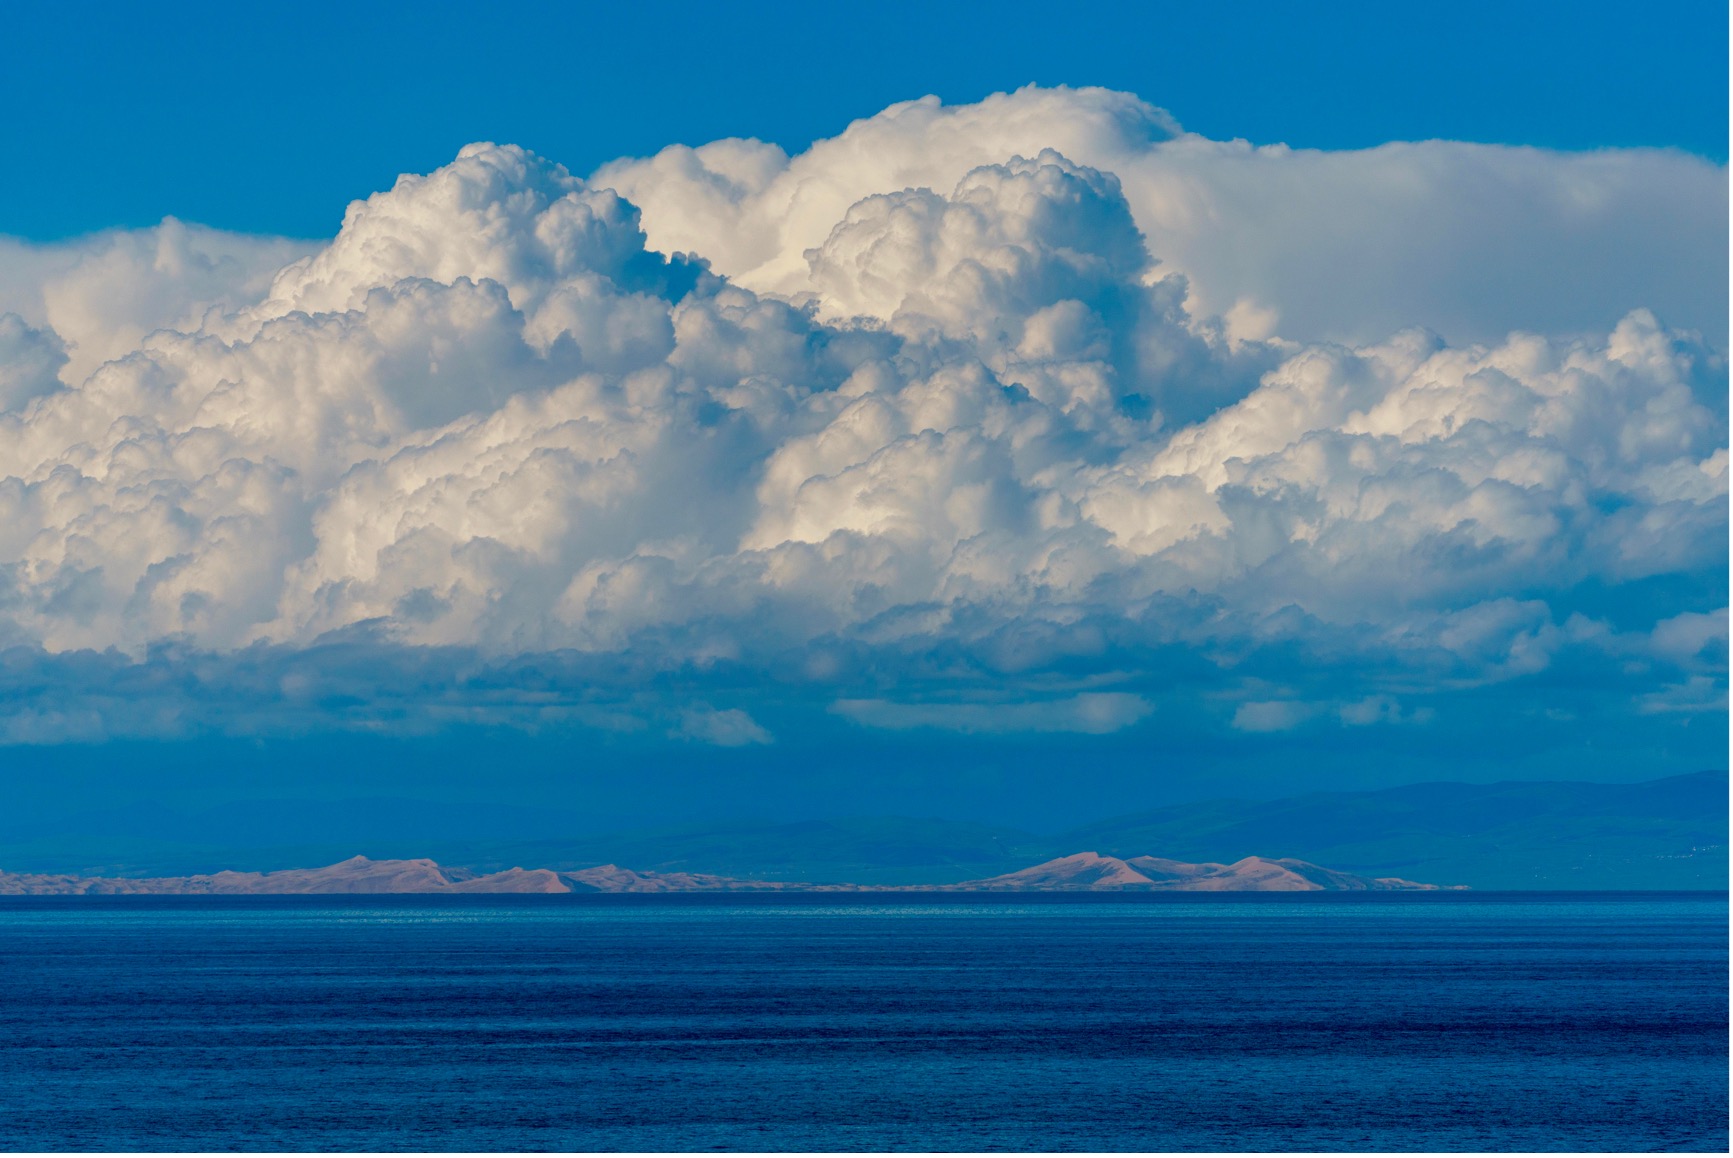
(1470, 240)
(972, 391)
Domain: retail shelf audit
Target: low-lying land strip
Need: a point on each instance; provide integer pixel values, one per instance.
(1084, 871)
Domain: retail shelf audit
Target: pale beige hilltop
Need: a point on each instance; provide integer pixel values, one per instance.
(611, 878)
(1081, 872)
(358, 874)
(355, 875)
(1093, 872)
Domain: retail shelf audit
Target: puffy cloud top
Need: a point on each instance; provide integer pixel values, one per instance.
(955, 405)
(1469, 240)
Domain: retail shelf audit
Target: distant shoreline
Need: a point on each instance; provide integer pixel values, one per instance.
(912, 897)
(1079, 872)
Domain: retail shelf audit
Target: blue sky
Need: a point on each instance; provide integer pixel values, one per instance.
(1134, 422)
(270, 118)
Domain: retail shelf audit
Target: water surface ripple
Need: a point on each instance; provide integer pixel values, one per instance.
(1338, 1022)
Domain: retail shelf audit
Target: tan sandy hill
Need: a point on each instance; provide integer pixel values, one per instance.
(355, 875)
(358, 874)
(610, 878)
(1090, 871)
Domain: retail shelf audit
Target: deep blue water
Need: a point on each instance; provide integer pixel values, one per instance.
(1334, 1022)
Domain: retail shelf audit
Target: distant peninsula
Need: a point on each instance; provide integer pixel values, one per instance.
(1080, 872)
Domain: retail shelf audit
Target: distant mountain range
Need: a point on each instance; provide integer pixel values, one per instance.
(1252, 874)
(1080, 872)
(1659, 834)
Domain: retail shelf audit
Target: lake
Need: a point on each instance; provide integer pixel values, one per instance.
(913, 1022)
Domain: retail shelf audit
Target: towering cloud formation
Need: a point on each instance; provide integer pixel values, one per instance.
(1471, 241)
(927, 410)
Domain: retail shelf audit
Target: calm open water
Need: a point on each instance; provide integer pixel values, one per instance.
(1333, 1022)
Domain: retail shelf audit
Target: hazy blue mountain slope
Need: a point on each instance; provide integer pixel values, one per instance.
(866, 850)
(1669, 833)
(270, 835)
(150, 839)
